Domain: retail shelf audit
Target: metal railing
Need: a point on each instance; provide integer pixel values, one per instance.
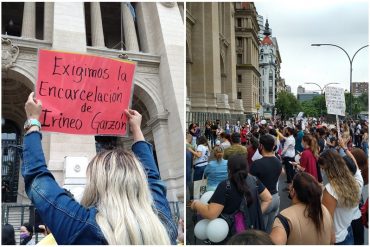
(16, 215)
(177, 210)
(202, 117)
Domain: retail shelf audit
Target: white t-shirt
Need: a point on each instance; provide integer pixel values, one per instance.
(289, 147)
(225, 144)
(256, 155)
(344, 216)
(202, 160)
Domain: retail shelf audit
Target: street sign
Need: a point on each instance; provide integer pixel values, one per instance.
(335, 101)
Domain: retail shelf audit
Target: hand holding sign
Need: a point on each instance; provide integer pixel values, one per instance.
(83, 94)
(33, 107)
(134, 119)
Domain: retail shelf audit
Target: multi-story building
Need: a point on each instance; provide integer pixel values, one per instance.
(280, 85)
(211, 63)
(359, 88)
(278, 62)
(247, 47)
(150, 34)
(300, 89)
(288, 88)
(269, 66)
(261, 26)
(306, 96)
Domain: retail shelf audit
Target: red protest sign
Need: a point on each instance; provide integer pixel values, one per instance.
(83, 94)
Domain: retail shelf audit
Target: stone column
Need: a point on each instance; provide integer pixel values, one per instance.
(69, 35)
(97, 34)
(48, 21)
(171, 170)
(29, 20)
(69, 27)
(129, 29)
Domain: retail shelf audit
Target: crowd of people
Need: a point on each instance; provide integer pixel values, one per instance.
(326, 171)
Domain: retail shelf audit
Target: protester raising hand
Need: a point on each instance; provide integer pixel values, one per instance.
(33, 107)
(347, 152)
(134, 119)
(124, 201)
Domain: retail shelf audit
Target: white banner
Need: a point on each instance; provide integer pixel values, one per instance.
(335, 101)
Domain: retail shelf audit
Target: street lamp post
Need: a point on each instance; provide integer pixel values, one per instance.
(321, 90)
(350, 69)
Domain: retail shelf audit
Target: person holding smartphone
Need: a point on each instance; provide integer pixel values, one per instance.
(309, 156)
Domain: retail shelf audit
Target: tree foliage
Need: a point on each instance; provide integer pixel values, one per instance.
(287, 105)
(315, 107)
(358, 103)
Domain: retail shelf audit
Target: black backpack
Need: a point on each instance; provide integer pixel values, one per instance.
(245, 217)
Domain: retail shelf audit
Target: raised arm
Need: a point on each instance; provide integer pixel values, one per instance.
(62, 214)
(144, 152)
(348, 153)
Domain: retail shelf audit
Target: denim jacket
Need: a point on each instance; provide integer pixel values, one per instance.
(70, 222)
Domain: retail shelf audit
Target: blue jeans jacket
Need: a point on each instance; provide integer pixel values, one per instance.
(70, 222)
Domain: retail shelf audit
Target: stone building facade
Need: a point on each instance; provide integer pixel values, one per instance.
(222, 70)
(149, 33)
(247, 56)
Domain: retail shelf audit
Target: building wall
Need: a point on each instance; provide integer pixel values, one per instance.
(306, 96)
(247, 41)
(359, 88)
(159, 84)
(210, 62)
(268, 76)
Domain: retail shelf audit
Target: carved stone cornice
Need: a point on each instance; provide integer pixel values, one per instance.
(146, 62)
(9, 53)
(31, 43)
(161, 118)
(168, 4)
(190, 18)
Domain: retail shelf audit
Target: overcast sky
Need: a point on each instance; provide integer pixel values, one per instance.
(298, 24)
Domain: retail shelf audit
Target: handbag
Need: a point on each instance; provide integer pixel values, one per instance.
(200, 187)
(242, 219)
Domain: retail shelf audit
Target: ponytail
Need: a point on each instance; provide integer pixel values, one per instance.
(218, 153)
(238, 173)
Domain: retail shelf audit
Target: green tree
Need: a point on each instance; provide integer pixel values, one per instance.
(309, 108)
(287, 105)
(314, 107)
(320, 105)
(363, 100)
(358, 103)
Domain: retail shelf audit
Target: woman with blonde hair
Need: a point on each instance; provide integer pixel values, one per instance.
(216, 170)
(342, 193)
(124, 201)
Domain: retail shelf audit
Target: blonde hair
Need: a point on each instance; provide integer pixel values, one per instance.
(117, 186)
(312, 143)
(218, 153)
(340, 178)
